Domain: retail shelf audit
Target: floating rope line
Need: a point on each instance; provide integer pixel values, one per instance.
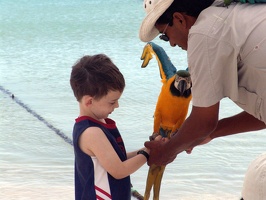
(39, 117)
(134, 192)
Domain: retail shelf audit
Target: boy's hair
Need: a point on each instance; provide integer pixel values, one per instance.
(95, 75)
(190, 7)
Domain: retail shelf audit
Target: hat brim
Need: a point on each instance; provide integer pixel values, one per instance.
(147, 30)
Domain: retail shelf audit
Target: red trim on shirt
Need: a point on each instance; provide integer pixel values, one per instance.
(102, 192)
(109, 122)
(99, 198)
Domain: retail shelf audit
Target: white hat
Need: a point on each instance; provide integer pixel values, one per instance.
(254, 187)
(154, 10)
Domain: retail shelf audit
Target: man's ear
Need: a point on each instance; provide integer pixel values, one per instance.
(179, 19)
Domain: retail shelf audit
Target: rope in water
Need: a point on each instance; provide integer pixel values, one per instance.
(36, 115)
(56, 130)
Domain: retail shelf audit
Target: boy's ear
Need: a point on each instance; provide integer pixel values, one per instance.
(87, 100)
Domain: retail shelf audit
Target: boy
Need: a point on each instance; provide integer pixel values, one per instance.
(102, 166)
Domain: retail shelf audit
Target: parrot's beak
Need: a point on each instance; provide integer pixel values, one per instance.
(181, 86)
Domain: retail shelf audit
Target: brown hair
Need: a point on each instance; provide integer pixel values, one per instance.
(95, 76)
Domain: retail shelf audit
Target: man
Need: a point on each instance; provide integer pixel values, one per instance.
(226, 48)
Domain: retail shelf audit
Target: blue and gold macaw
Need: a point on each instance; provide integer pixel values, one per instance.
(171, 108)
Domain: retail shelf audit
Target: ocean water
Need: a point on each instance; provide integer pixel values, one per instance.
(39, 42)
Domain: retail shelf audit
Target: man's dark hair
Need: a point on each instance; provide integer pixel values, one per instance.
(190, 7)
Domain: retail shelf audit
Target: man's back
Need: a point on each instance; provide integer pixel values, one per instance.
(226, 51)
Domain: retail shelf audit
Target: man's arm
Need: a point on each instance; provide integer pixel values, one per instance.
(242, 122)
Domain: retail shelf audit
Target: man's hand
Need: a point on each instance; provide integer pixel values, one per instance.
(159, 153)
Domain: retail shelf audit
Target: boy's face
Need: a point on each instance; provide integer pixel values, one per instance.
(101, 108)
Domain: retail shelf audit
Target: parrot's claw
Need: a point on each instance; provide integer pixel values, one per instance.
(153, 136)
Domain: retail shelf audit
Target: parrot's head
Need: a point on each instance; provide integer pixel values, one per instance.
(182, 84)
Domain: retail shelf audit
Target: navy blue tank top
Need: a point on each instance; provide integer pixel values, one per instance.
(84, 175)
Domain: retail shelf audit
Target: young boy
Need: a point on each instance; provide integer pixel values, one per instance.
(102, 166)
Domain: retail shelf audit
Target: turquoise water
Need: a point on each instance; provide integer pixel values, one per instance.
(39, 42)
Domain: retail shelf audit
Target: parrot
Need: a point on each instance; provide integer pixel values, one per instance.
(171, 107)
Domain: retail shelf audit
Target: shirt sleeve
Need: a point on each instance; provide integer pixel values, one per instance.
(213, 67)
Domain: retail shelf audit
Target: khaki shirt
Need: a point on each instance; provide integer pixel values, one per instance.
(227, 57)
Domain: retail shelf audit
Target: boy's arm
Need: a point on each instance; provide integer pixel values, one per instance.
(134, 153)
(94, 143)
